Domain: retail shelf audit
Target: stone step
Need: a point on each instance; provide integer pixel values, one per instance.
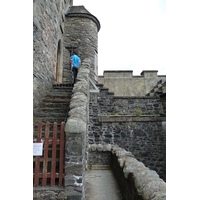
(99, 85)
(48, 119)
(159, 89)
(63, 91)
(54, 105)
(104, 89)
(57, 96)
(50, 109)
(63, 84)
(51, 114)
(56, 100)
(110, 93)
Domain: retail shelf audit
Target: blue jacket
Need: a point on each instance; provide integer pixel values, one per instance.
(75, 60)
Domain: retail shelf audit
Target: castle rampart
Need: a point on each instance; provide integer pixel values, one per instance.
(123, 83)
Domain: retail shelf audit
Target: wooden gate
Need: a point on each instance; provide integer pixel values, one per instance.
(48, 169)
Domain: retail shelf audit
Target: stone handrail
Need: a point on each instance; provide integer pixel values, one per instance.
(76, 132)
(146, 182)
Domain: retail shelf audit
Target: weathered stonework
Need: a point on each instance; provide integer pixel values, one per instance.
(49, 193)
(76, 134)
(48, 30)
(123, 83)
(102, 117)
(136, 181)
(114, 120)
(82, 35)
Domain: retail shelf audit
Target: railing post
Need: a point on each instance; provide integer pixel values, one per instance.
(61, 162)
(45, 162)
(37, 160)
(53, 161)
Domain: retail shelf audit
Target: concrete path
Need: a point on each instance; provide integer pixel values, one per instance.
(101, 185)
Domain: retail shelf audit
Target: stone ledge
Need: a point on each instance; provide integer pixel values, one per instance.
(100, 167)
(130, 118)
(136, 97)
(48, 188)
(75, 126)
(118, 71)
(149, 71)
(146, 181)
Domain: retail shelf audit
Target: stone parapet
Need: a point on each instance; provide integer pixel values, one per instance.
(136, 181)
(118, 74)
(76, 133)
(119, 82)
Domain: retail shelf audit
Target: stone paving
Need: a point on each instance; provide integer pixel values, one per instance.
(101, 185)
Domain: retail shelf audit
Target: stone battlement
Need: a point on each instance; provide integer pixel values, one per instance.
(119, 82)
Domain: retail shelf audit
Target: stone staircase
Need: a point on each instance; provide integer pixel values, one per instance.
(159, 89)
(104, 89)
(54, 108)
(55, 105)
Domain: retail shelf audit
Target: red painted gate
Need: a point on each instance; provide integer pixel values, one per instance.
(48, 169)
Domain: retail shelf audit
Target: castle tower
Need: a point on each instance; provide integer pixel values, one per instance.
(81, 34)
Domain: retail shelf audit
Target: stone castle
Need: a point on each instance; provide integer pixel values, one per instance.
(116, 119)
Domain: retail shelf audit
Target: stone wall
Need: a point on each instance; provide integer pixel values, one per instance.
(47, 193)
(114, 120)
(122, 83)
(99, 155)
(48, 30)
(76, 133)
(135, 180)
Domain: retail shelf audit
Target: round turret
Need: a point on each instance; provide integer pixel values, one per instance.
(81, 34)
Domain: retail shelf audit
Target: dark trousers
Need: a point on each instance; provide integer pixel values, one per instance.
(75, 72)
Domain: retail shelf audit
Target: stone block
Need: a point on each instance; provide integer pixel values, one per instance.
(75, 104)
(160, 196)
(93, 147)
(100, 147)
(107, 147)
(152, 188)
(78, 113)
(75, 126)
(132, 168)
(123, 153)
